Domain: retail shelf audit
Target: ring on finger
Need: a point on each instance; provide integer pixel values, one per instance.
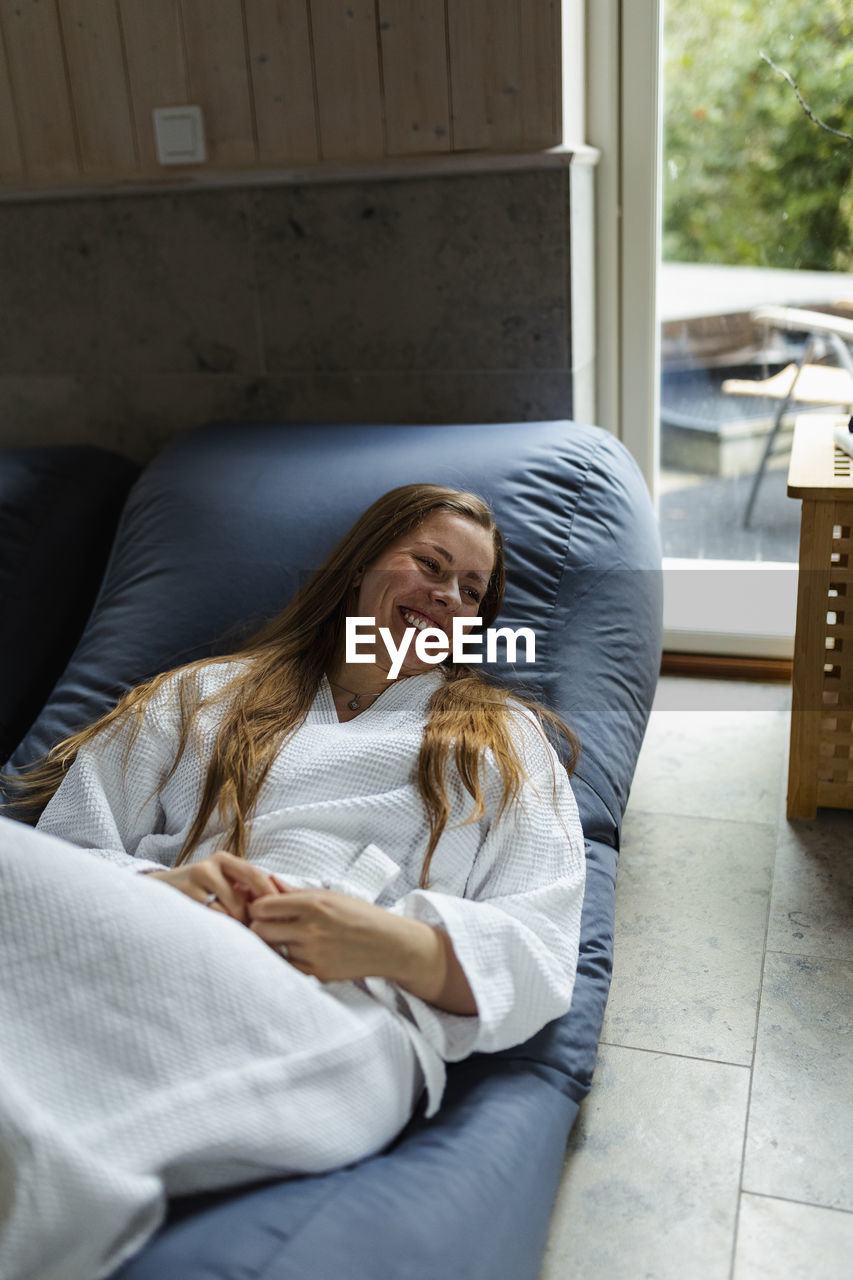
(210, 899)
(283, 950)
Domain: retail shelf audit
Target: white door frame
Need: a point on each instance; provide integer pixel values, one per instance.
(709, 606)
(623, 122)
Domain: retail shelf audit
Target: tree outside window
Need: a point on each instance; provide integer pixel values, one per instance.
(749, 178)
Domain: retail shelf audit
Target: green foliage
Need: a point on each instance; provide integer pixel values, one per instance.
(748, 178)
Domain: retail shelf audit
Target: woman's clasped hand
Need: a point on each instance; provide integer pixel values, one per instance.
(335, 937)
(325, 934)
(235, 882)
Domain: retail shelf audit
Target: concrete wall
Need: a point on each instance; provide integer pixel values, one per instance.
(441, 298)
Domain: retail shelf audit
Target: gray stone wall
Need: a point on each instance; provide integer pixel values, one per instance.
(129, 318)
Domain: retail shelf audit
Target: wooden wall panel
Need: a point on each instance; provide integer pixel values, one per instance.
(156, 69)
(413, 40)
(40, 85)
(217, 67)
(485, 73)
(11, 160)
(541, 99)
(93, 49)
(282, 81)
(346, 67)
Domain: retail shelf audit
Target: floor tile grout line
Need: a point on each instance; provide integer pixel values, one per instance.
(767, 922)
(809, 955)
(748, 1108)
(806, 1204)
(669, 1053)
(637, 812)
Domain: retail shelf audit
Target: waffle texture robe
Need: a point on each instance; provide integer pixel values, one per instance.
(153, 1047)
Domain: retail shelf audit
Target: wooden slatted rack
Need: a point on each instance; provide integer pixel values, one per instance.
(820, 771)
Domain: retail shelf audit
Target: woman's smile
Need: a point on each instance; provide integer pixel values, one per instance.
(417, 618)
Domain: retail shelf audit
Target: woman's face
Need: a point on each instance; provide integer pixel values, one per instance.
(428, 577)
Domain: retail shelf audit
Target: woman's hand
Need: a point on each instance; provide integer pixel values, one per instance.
(335, 937)
(235, 882)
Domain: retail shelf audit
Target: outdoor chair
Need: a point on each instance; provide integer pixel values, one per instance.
(803, 382)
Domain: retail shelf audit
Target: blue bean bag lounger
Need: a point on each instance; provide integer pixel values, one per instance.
(214, 538)
(59, 506)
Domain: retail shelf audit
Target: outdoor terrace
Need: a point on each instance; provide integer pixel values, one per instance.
(711, 443)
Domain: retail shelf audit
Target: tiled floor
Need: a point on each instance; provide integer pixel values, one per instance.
(717, 1142)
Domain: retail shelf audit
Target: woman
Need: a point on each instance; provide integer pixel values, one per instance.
(344, 881)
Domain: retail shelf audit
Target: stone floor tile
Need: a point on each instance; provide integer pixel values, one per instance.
(712, 764)
(650, 1185)
(812, 902)
(800, 1136)
(780, 1240)
(691, 915)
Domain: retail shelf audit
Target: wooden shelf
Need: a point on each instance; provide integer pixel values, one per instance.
(821, 760)
(819, 470)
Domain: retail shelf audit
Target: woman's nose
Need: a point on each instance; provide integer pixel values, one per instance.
(448, 591)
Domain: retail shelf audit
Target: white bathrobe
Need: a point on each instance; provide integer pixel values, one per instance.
(153, 1047)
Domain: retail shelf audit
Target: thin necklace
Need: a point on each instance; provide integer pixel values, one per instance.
(355, 705)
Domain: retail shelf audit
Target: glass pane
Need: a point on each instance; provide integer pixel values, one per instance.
(757, 211)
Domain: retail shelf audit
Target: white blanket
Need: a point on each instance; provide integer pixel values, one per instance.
(152, 1047)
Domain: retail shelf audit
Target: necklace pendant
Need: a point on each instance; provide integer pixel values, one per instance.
(355, 705)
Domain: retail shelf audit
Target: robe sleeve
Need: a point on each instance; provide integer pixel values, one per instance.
(516, 932)
(109, 808)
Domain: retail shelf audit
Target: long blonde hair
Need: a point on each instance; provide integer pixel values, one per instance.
(280, 670)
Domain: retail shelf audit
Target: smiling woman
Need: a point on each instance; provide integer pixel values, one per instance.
(339, 897)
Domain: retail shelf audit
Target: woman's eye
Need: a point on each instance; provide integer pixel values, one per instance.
(435, 567)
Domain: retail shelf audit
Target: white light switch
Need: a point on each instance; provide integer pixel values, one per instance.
(179, 135)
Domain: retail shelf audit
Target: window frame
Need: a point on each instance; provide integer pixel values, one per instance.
(624, 44)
